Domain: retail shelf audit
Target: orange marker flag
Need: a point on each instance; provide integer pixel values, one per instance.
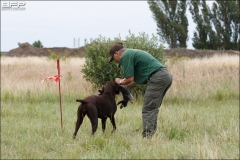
(56, 79)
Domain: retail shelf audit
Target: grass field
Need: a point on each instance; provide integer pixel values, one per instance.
(199, 117)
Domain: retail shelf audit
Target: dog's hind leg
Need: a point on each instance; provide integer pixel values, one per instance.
(104, 124)
(113, 123)
(81, 115)
(93, 116)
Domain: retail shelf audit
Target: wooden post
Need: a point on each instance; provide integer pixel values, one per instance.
(58, 67)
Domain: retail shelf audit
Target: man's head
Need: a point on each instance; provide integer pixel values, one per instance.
(115, 48)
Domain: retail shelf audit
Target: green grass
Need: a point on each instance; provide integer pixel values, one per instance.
(207, 129)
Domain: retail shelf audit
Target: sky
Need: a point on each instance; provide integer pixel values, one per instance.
(58, 23)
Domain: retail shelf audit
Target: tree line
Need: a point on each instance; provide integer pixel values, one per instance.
(216, 27)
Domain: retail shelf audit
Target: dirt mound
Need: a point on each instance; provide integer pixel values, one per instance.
(27, 49)
(197, 53)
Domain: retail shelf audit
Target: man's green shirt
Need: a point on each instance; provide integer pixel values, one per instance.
(139, 64)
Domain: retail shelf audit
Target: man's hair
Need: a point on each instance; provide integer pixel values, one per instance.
(115, 47)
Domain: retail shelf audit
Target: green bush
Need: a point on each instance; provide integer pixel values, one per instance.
(98, 71)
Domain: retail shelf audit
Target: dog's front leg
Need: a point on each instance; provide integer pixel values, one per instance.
(104, 124)
(113, 123)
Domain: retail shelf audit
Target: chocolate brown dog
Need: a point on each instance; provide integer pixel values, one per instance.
(101, 106)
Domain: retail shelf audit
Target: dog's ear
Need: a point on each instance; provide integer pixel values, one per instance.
(116, 87)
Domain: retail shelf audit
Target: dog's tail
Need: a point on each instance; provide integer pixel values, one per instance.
(82, 101)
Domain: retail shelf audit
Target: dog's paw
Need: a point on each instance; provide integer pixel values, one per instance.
(73, 137)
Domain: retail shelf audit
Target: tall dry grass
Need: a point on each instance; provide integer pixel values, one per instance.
(27, 73)
(215, 77)
(203, 78)
(24, 75)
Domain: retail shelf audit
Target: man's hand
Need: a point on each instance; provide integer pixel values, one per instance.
(125, 81)
(117, 80)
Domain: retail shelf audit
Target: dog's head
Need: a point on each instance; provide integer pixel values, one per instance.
(101, 91)
(111, 86)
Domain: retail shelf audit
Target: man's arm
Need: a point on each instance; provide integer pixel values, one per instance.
(128, 82)
(131, 84)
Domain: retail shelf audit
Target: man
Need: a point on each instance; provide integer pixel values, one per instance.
(140, 67)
